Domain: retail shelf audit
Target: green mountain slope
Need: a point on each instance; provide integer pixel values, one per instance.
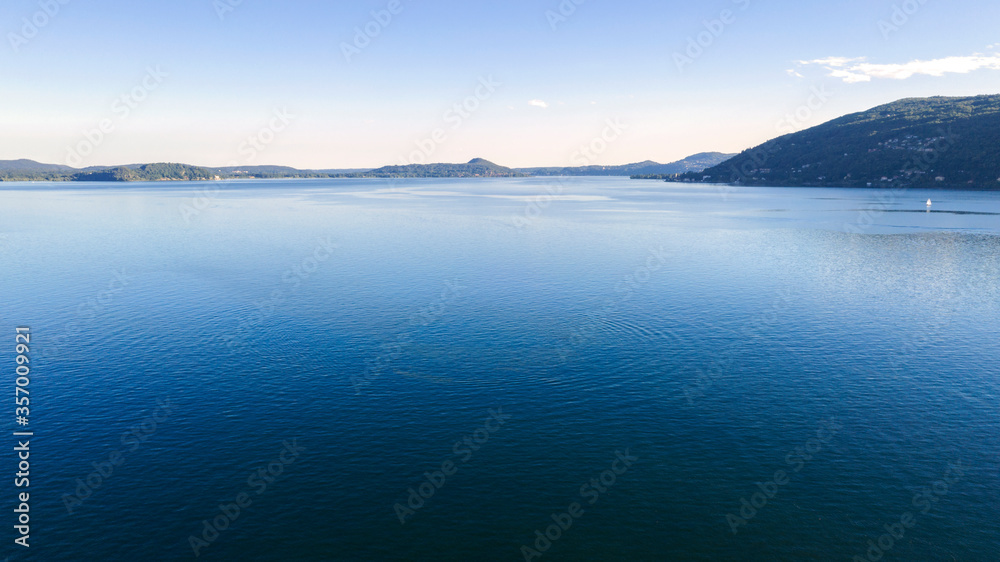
(926, 142)
(21, 170)
(25, 165)
(28, 170)
(477, 167)
(148, 172)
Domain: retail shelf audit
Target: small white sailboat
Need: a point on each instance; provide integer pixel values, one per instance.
(929, 203)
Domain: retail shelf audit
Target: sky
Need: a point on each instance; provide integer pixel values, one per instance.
(318, 84)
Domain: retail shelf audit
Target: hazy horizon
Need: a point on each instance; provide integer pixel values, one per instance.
(212, 166)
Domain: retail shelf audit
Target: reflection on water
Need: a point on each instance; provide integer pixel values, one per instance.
(710, 330)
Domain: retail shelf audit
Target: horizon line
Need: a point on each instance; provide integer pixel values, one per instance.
(361, 167)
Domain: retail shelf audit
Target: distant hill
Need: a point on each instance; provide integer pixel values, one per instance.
(695, 163)
(18, 170)
(477, 167)
(29, 170)
(148, 172)
(919, 142)
(31, 166)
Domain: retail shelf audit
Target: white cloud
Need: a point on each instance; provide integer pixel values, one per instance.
(850, 77)
(857, 70)
(939, 67)
(795, 73)
(538, 103)
(831, 61)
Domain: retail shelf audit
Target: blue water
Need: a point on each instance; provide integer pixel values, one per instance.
(348, 333)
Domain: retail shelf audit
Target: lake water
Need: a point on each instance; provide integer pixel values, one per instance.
(708, 373)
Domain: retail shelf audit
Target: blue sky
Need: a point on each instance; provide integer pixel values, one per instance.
(210, 75)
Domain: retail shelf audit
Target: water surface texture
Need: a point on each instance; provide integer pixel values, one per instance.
(280, 369)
